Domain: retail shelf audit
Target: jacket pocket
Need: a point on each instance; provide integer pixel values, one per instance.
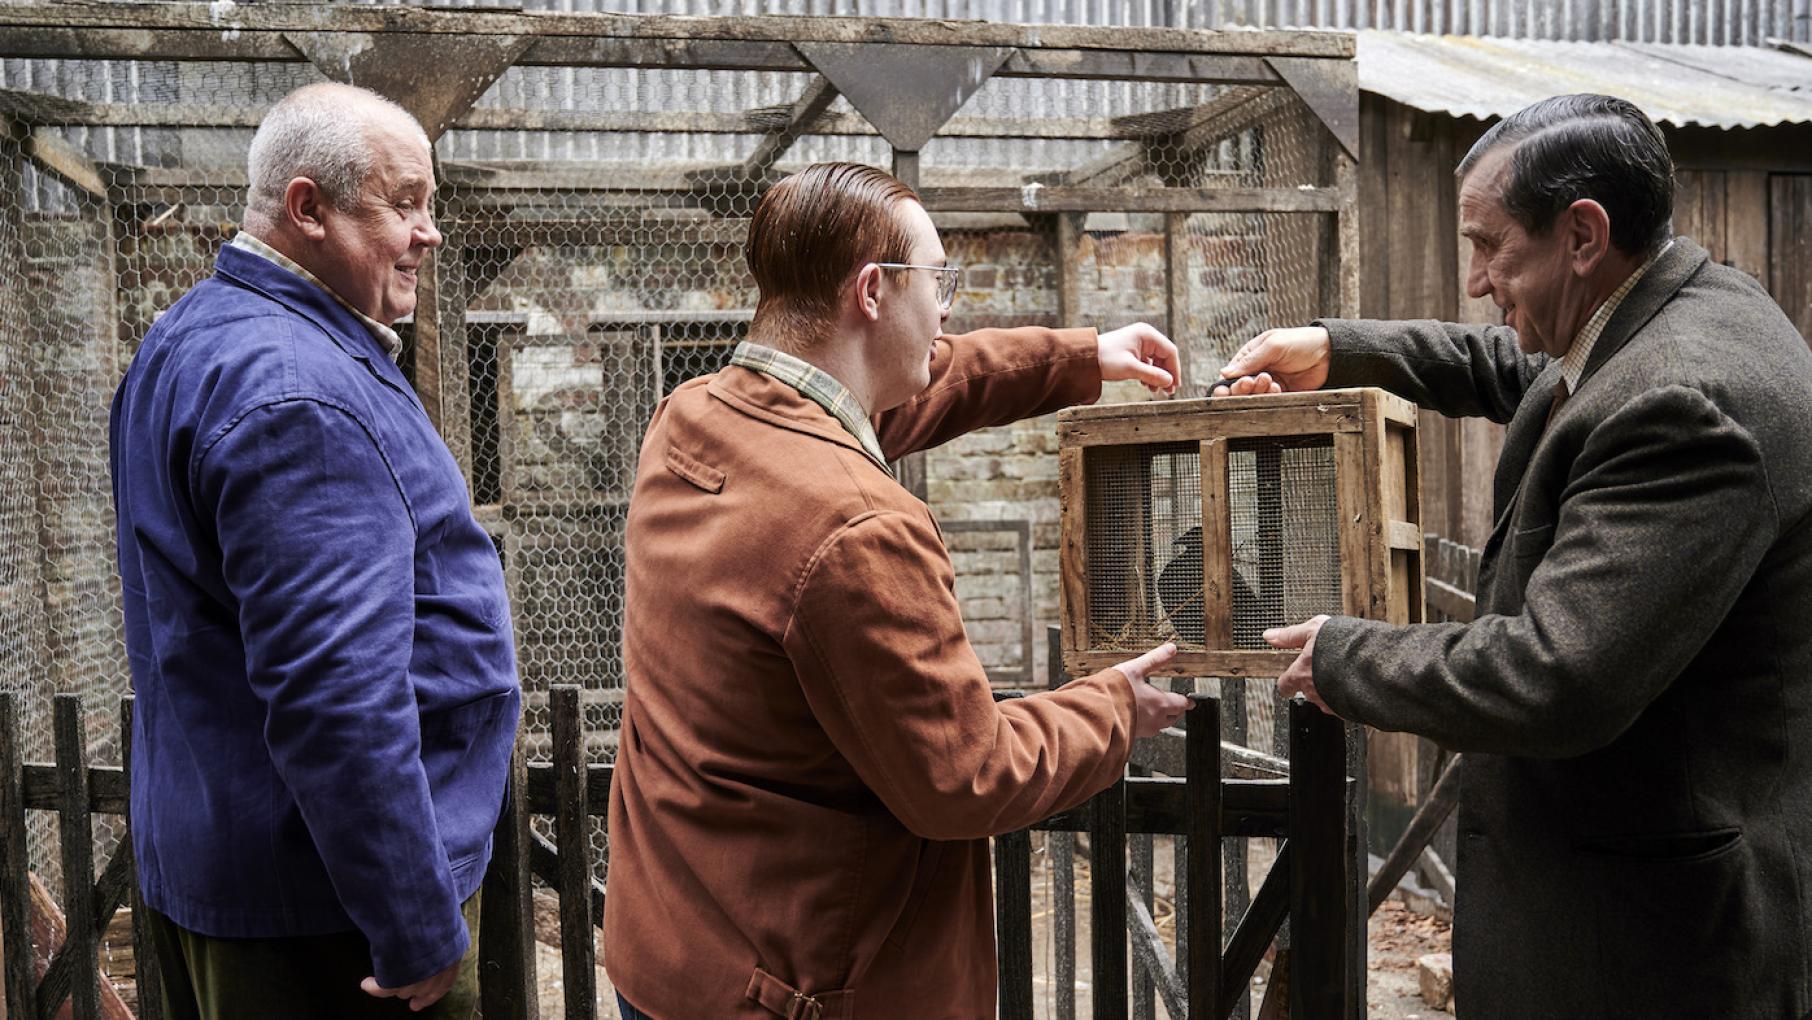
(1680, 929)
(924, 879)
(1526, 543)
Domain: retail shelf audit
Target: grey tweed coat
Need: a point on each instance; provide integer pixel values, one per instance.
(1635, 696)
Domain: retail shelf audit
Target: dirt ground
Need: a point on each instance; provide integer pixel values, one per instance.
(1398, 936)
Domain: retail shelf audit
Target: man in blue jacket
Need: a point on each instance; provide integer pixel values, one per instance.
(318, 631)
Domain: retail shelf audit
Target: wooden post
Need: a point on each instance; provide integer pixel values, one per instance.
(1063, 874)
(1013, 922)
(1233, 849)
(1202, 767)
(578, 957)
(75, 831)
(506, 933)
(910, 469)
(1176, 299)
(1321, 919)
(1144, 988)
(1068, 237)
(15, 883)
(1107, 893)
(145, 972)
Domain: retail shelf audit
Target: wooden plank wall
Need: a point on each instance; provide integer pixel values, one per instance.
(1736, 202)
(1412, 268)
(1790, 237)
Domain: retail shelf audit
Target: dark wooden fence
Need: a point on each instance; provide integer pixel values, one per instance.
(1207, 794)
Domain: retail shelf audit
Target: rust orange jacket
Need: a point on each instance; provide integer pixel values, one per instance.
(810, 759)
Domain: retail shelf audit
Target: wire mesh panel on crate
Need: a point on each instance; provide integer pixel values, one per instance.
(1207, 522)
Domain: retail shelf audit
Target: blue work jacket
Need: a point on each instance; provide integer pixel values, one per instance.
(318, 630)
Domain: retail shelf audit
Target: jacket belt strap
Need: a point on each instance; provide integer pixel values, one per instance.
(783, 999)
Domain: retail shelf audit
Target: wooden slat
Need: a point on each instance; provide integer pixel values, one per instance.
(1217, 547)
(15, 881)
(110, 893)
(578, 956)
(1073, 548)
(1790, 234)
(1746, 222)
(148, 18)
(108, 792)
(1453, 602)
(1319, 908)
(1237, 896)
(544, 864)
(65, 162)
(506, 942)
(1176, 293)
(1343, 400)
(1159, 804)
(1203, 876)
(1107, 889)
(1039, 198)
(1352, 495)
(1013, 922)
(542, 798)
(1403, 535)
(1153, 971)
(1062, 847)
(1148, 962)
(1258, 926)
(1308, 421)
(1240, 663)
(147, 975)
(75, 834)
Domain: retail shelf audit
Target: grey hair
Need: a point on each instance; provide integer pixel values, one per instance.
(315, 132)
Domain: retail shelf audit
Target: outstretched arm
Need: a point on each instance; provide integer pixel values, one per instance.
(996, 376)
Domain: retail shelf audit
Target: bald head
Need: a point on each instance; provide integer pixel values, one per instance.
(322, 132)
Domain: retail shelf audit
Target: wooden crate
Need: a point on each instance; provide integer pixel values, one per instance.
(1205, 522)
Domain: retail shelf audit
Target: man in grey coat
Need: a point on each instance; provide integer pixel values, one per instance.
(1633, 697)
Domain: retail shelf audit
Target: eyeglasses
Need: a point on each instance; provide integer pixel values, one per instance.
(947, 279)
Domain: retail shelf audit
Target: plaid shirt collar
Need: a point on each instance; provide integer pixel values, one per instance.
(1573, 363)
(386, 337)
(816, 385)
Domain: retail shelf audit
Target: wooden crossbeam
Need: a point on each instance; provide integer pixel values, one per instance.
(56, 157)
(245, 21)
(801, 119)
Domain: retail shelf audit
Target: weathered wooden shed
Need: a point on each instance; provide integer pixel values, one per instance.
(1738, 120)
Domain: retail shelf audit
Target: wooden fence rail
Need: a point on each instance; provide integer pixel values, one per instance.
(1206, 975)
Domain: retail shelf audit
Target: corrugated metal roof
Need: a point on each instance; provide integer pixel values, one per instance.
(1679, 85)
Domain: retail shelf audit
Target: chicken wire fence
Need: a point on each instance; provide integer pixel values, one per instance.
(593, 221)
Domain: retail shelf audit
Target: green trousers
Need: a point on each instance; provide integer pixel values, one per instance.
(307, 977)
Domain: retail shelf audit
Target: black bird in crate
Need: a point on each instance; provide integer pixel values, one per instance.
(1181, 595)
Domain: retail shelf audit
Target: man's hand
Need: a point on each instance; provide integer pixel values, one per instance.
(1153, 708)
(420, 995)
(1278, 361)
(1139, 352)
(1300, 677)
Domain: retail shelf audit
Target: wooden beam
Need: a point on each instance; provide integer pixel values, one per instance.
(243, 22)
(1038, 198)
(55, 156)
(801, 118)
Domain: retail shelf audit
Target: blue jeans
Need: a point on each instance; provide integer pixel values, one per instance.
(629, 1012)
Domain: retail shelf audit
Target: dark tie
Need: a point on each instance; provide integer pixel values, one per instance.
(1560, 397)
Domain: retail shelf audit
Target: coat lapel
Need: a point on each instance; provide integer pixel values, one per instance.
(1656, 288)
(1669, 273)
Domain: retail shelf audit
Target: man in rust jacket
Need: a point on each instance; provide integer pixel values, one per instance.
(810, 760)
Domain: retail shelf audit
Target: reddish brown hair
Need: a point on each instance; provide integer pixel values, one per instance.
(809, 234)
